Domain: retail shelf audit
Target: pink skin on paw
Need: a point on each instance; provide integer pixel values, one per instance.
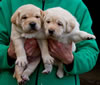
(46, 71)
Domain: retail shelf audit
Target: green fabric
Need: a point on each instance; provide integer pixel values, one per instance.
(85, 56)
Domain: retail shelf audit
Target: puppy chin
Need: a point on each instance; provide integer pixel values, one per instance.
(59, 35)
(50, 35)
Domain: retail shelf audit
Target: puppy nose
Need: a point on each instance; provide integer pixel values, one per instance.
(51, 32)
(32, 24)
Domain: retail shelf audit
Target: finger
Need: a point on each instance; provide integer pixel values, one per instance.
(33, 50)
(52, 53)
(60, 51)
(30, 51)
(53, 46)
(30, 44)
(36, 52)
(51, 41)
(29, 54)
(55, 52)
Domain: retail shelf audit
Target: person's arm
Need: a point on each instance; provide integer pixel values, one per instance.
(87, 51)
(5, 14)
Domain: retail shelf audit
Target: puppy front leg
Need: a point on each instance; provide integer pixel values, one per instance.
(20, 53)
(80, 36)
(47, 59)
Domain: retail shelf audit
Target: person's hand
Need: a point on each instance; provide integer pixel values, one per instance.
(31, 48)
(61, 51)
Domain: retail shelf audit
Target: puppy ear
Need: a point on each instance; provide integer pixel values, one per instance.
(15, 17)
(42, 13)
(70, 25)
(45, 13)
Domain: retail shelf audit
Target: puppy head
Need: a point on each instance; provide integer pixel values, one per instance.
(28, 17)
(58, 21)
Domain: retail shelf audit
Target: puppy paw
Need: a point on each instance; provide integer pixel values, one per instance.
(48, 68)
(46, 71)
(60, 74)
(21, 61)
(48, 60)
(88, 37)
(25, 77)
(20, 82)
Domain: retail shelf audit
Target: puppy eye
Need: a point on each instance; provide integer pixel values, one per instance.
(60, 24)
(24, 17)
(37, 16)
(48, 22)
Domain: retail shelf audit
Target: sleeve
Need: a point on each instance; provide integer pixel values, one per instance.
(5, 27)
(87, 51)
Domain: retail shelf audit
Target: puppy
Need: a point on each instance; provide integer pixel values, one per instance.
(60, 25)
(26, 23)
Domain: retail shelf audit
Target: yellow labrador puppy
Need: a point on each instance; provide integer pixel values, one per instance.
(26, 23)
(60, 25)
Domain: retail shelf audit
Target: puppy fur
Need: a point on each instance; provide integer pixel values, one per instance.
(61, 25)
(26, 23)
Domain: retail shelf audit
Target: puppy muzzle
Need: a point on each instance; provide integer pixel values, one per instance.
(51, 32)
(32, 25)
